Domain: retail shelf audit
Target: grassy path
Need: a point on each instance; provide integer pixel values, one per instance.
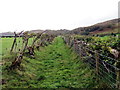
(55, 66)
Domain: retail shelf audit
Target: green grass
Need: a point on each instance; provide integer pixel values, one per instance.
(6, 44)
(55, 66)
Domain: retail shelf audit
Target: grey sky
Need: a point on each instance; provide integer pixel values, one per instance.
(17, 15)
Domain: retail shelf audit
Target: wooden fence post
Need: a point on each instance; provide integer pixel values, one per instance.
(80, 50)
(68, 40)
(85, 50)
(97, 63)
(75, 46)
(14, 42)
(118, 72)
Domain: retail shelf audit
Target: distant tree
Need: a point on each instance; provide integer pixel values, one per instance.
(113, 34)
(85, 33)
(100, 28)
(109, 26)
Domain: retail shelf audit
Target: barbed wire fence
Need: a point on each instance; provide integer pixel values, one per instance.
(105, 68)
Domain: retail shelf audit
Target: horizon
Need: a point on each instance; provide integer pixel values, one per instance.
(58, 29)
(55, 14)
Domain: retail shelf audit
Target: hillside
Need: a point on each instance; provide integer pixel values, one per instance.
(107, 27)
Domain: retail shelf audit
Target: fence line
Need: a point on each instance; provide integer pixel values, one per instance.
(97, 61)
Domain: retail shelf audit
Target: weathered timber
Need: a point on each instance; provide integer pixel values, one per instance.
(16, 63)
(15, 39)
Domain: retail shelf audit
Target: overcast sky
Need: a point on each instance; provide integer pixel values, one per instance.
(17, 15)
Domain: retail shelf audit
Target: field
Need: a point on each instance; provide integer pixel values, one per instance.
(59, 64)
(6, 44)
(55, 66)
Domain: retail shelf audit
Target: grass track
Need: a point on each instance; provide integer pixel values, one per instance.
(55, 66)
